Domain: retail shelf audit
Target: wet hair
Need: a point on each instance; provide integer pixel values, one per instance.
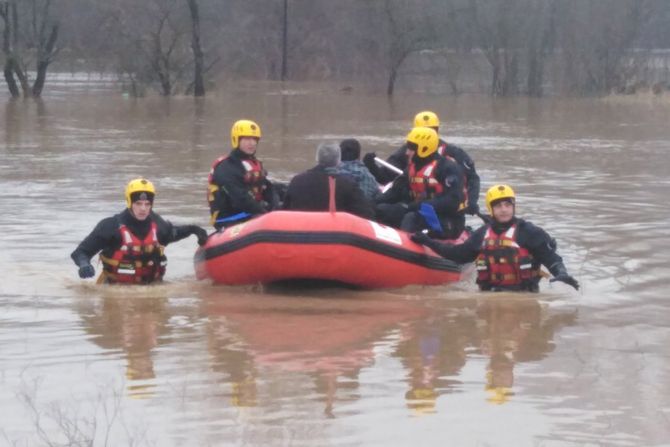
(142, 195)
(328, 155)
(504, 199)
(351, 149)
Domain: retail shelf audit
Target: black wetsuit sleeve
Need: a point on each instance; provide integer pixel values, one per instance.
(467, 166)
(168, 232)
(230, 180)
(473, 183)
(540, 245)
(104, 235)
(450, 175)
(460, 253)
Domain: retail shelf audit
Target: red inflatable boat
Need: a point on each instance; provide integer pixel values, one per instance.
(337, 246)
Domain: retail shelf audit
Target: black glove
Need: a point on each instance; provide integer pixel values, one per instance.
(369, 160)
(420, 238)
(561, 274)
(86, 271)
(200, 233)
(564, 277)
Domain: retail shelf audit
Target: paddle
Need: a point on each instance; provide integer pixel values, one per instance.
(388, 165)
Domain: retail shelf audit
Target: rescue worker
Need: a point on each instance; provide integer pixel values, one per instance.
(238, 185)
(400, 157)
(310, 190)
(132, 242)
(508, 251)
(430, 183)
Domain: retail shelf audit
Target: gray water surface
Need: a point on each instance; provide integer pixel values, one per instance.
(189, 363)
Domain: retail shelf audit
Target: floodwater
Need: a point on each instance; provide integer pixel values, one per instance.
(187, 363)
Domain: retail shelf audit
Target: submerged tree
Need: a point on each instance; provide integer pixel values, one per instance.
(196, 47)
(409, 31)
(598, 43)
(29, 36)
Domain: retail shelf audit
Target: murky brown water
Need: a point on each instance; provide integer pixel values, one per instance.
(188, 363)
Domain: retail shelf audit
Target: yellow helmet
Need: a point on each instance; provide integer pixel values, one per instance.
(426, 119)
(425, 139)
(421, 400)
(498, 395)
(139, 185)
(244, 128)
(498, 192)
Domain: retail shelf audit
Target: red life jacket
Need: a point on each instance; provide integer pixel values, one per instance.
(442, 150)
(254, 177)
(422, 183)
(502, 263)
(136, 261)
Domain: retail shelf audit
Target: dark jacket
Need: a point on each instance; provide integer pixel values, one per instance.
(106, 237)
(384, 175)
(233, 195)
(467, 165)
(446, 172)
(540, 245)
(308, 191)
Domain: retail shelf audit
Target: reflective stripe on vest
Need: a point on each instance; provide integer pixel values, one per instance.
(136, 261)
(254, 178)
(422, 183)
(502, 262)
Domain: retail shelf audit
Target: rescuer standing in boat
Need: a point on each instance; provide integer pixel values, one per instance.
(401, 157)
(508, 251)
(238, 185)
(132, 242)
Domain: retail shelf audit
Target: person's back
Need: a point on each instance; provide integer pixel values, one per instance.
(310, 190)
(351, 165)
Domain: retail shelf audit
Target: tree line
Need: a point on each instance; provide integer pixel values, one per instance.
(579, 47)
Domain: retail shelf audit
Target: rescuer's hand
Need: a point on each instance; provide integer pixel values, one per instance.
(569, 280)
(86, 271)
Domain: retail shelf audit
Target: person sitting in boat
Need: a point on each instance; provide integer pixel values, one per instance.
(429, 194)
(400, 159)
(132, 242)
(238, 185)
(352, 165)
(508, 251)
(311, 190)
